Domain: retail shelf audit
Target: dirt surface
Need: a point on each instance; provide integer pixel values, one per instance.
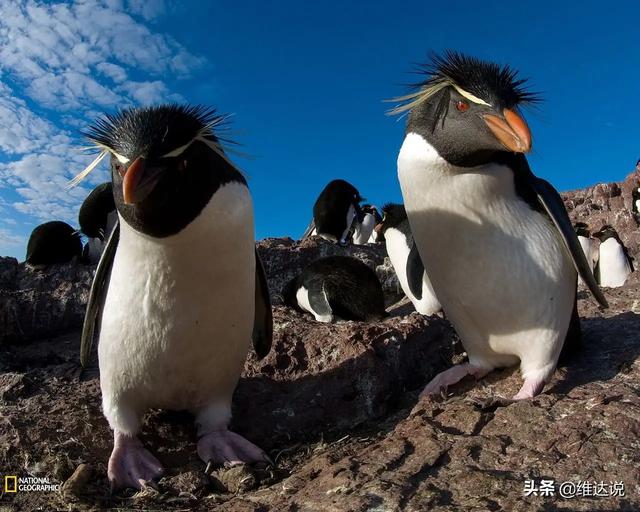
(336, 407)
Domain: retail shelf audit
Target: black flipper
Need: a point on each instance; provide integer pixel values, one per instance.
(552, 202)
(309, 230)
(573, 340)
(318, 298)
(263, 321)
(97, 296)
(415, 271)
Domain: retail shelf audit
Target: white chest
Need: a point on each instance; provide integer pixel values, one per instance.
(364, 229)
(497, 266)
(179, 312)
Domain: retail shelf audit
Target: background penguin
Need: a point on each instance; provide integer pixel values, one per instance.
(588, 245)
(364, 230)
(53, 242)
(97, 218)
(614, 262)
(334, 212)
(180, 285)
(635, 205)
(337, 286)
(497, 241)
(405, 259)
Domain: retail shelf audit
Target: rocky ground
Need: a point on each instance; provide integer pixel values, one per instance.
(336, 407)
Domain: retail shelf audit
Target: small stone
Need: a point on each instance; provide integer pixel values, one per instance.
(76, 483)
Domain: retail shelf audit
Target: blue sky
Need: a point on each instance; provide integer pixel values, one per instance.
(305, 82)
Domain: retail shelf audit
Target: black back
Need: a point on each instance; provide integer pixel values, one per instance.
(53, 242)
(95, 210)
(331, 207)
(352, 289)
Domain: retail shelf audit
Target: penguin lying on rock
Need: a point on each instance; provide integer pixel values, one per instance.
(335, 212)
(497, 241)
(53, 242)
(180, 289)
(405, 259)
(337, 286)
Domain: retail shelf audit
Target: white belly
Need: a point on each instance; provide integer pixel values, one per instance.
(500, 271)
(179, 311)
(398, 252)
(364, 229)
(613, 265)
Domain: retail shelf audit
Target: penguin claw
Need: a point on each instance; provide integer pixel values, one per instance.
(222, 447)
(131, 465)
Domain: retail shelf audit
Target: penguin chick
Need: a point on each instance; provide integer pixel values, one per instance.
(614, 262)
(405, 259)
(335, 211)
(179, 291)
(497, 241)
(53, 242)
(337, 286)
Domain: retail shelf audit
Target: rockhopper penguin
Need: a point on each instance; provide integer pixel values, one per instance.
(337, 286)
(53, 242)
(97, 218)
(497, 241)
(405, 259)
(614, 262)
(335, 211)
(180, 289)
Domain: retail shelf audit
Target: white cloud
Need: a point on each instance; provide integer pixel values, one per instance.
(9, 239)
(61, 65)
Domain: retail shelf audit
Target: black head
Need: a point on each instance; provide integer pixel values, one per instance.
(468, 109)
(582, 229)
(392, 216)
(369, 208)
(95, 210)
(607, 232)
(166, 163)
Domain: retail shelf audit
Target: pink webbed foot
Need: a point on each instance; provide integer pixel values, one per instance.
(225, 447)
(452, 376)
(131, 464)
(530, 388)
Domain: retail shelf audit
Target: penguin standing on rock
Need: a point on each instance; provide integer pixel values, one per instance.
(588, 245)
(406, 260)
(97, 218)
(180, 289)
(497, 241)
(614, 262)
(337, 286)
(335, 211)
(53, 242)
(364, 230)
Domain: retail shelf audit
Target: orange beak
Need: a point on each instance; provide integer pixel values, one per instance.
(512, 131)
(139, 180)
(378, 228)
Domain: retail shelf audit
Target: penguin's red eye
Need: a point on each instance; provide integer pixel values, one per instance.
(462, 106)
(120, 169)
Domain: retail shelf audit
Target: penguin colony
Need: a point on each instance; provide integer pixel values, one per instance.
(173, 233)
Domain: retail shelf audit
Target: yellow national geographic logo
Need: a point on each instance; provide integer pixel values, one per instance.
(10, 484)
(13, 484)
